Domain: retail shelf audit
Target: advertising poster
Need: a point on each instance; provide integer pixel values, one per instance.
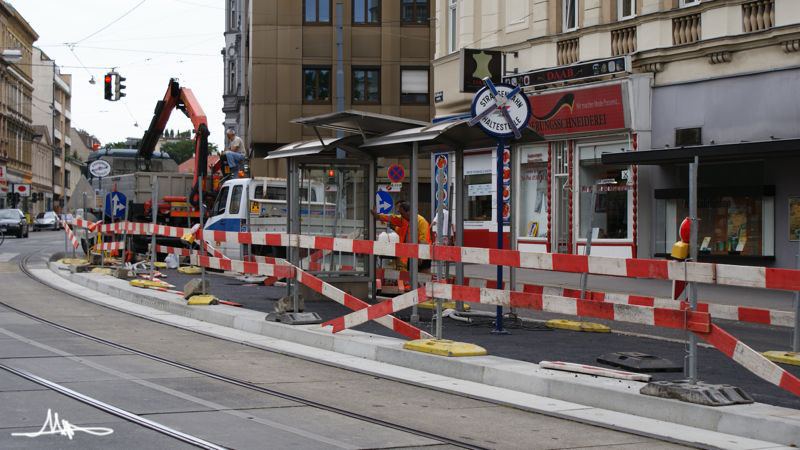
(794, 218)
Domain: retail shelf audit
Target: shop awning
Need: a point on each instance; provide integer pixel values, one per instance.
(718, 152)
(359, 122)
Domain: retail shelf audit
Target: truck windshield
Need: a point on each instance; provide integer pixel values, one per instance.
(219, 206)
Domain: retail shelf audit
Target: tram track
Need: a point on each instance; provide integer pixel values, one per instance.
(23, 267)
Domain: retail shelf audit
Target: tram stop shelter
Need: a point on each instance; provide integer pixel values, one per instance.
(345, 168)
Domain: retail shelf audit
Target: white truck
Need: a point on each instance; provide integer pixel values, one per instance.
(322, 213)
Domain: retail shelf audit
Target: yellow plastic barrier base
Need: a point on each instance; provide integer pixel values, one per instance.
(73, 261)
(149, 284)
(574, 325)
(445, 305)
(202, 300)
(190, 270)
(160, 265)
(783, 357)
(103, 270)
(444, 347)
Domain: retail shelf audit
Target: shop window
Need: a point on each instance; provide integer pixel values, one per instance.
(479, 190)
(414, 11)
(366, 12)
(414, 86)
(612, 208)
(366, 86)
(533, 200)
(734, 220)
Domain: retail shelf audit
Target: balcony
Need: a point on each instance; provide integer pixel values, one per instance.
(58, 107)
(758, 15)
(623, 41)
(686, 29)
(568, 52)
(57, 134)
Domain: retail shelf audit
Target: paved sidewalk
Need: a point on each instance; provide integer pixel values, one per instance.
(533, 342)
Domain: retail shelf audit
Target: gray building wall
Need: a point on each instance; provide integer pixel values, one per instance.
(234, 57)
(748, 108)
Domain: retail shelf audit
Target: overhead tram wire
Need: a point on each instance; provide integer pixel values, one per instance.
(111, 23)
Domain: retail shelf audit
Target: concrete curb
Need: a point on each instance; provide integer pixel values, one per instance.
(762, 422)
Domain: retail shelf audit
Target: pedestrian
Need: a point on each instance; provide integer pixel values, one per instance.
(400, 221)
(235, 152)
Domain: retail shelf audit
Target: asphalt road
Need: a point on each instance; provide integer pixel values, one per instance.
(227, 415)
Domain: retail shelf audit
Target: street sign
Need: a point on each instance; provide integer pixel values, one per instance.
(384, 202)
(115, 205)
(100, 168)
(500, 110)
(24, 190)
(396, 173)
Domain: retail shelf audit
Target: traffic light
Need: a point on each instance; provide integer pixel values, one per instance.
(109, 94)
(331, 175)
(118, 87)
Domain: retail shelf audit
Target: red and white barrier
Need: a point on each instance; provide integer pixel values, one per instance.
(378, 311)
(71, 235)
(109, 246)
(253, 268)
(747, 314)
(175, 250)
(752, 360)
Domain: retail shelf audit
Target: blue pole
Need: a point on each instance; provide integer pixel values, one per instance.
(498, 322)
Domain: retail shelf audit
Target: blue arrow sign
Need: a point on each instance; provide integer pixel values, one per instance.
(115, 205)
(384, 202)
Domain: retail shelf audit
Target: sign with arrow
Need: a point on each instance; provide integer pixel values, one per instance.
(115, 205)
(384, 202)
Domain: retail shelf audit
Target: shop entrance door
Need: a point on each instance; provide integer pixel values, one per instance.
(562, 194)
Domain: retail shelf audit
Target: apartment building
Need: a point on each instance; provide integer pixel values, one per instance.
(235, 67)
(16, 91)
(53, 109)
(315, 57)
(626, 93)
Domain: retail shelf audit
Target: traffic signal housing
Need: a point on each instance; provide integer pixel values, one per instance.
(109, 93)
(118, 87)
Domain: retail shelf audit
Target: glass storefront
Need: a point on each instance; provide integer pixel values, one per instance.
(613, 208)
(532, 197)
(734, 220)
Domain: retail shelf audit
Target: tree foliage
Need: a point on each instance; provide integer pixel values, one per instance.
(181, 151)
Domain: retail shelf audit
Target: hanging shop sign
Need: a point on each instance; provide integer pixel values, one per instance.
(593, 69)
(601, 108)
(478, 64)
(100, 168)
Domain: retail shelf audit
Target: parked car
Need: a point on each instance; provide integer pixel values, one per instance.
(46, 220)
(13, 222)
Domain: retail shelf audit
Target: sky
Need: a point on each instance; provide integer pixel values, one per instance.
(155, 41)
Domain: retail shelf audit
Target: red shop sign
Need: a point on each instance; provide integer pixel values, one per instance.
(600, 108)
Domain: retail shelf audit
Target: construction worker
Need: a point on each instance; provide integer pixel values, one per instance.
(401, 224)
(235, 152)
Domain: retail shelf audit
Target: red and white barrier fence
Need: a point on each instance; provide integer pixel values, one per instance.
(109, 246)
(253, 268)
(71, 235)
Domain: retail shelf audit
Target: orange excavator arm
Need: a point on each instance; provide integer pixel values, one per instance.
(183, 99)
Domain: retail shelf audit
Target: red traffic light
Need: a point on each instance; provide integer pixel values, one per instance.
(331, 173)
(108, 78)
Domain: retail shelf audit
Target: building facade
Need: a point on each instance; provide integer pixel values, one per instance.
(53, 109)
(315, 57)
(16, 93)
(695, 73)
(42, 161)
(235, 67)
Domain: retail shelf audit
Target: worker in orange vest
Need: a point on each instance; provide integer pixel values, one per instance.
(401, 224)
